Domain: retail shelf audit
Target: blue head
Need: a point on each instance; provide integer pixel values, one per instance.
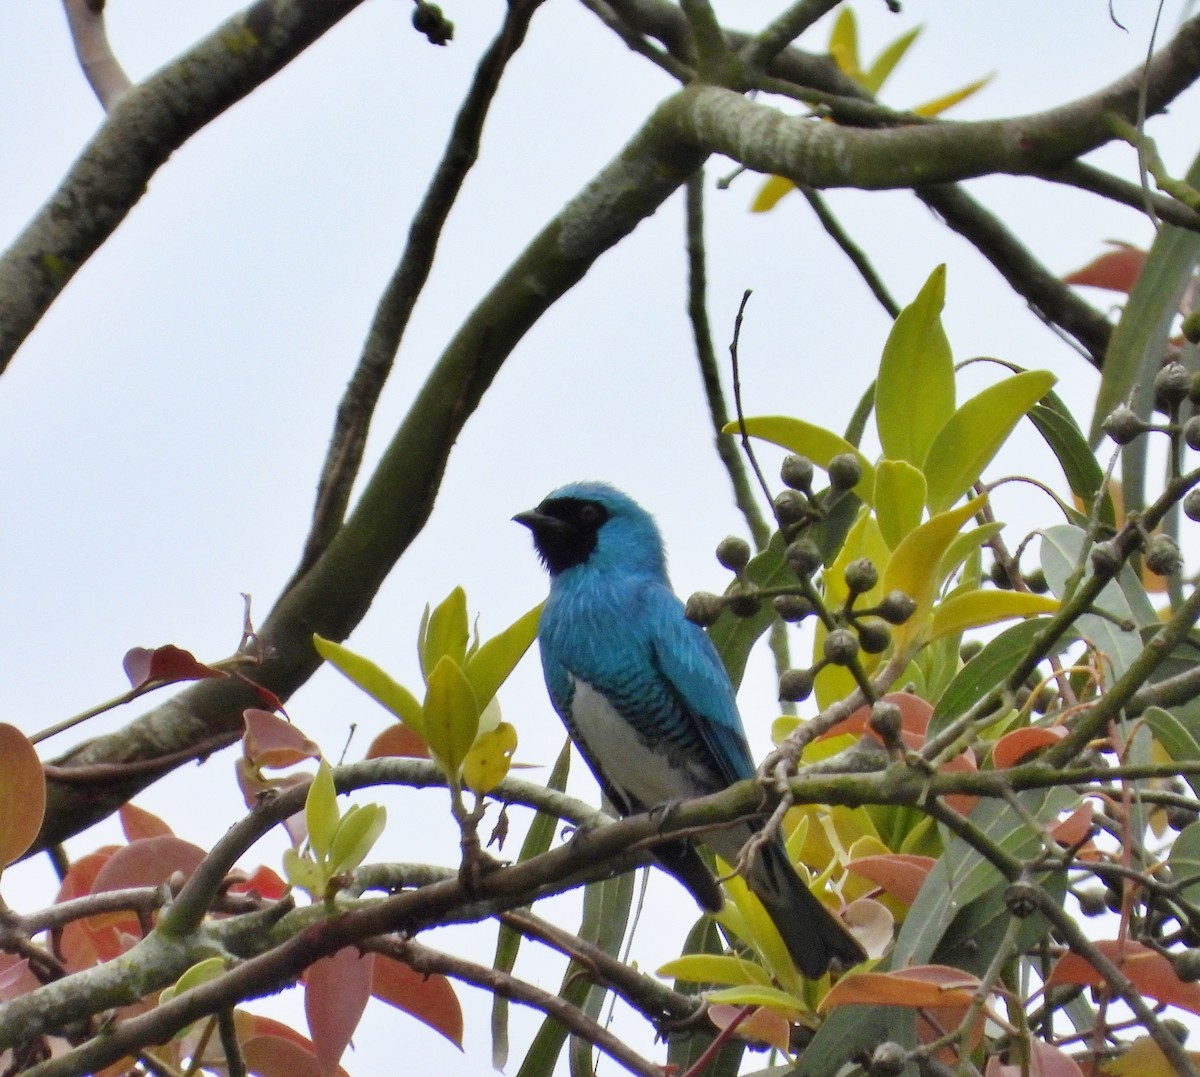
(593, 524)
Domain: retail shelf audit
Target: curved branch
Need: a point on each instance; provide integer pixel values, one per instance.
(146, 125)
(100, 67)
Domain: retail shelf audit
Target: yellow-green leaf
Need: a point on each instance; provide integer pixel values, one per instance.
(493, 661)
(303, 873)
(843, 43)
(974, 433)
(200, 973)
(752, 924)
(939, 104)
(914, 392)
(487, 763)
(966, 544)
(22, 794)
(446, 632)
(815, 442)
(974, 609)
(321, 811)
(883, 64)
(356, 835)
(769, 194)
(715, 969)
(451, 715)
(371, 679)
(771, 997)
(899, 499)
(915, 567)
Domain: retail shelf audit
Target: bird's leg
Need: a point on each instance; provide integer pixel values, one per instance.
(764, 835)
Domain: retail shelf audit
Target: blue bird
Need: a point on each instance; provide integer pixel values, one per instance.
(647, 701)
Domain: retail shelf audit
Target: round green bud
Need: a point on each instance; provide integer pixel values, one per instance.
(1021, 898)
(887, 720)
(1191, 504)
(1162, 556)
(841, 647)
(1179, 817)
(1092, 902)
(743, 604)
(1187, 965)
(802, 557)
(795, 685)
(797, 472)
(793, 608)
(1036, 581)
(733, 553)
(790, 508)
(1191, 327)
(1171, 384)
(704, 608)
(897, 607)
(428, 19)
(1106, 558)
(969, 650)
(1123, 425)
(1191, 432)
(861, 575)
(998, 574)
(874, 636)
(845, 471)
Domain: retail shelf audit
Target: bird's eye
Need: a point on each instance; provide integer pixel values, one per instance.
(591, 514)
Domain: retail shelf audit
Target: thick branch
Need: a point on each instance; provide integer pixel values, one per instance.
(146, 125)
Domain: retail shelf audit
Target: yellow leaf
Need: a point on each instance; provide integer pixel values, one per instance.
(974, 609)
(487, 763)
(715, 969)
(915, 566)
(770, 997)
(1143, 1059)
(770, 193)
(939, 104)
(883, 64)
(815, 442)
(321, 811)
(843, 43)
(899, 499)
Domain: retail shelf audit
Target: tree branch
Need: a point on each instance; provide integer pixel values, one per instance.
(104, 73)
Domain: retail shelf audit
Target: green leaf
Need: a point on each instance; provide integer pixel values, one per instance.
(757, 996)
(989, 668)
(815, 442)
(974, 609)
(1139, 340)
(1176, 741)
(964, 545)
(899, 499)
(975, 432)
(883, 64)
(321, 811)
(451, 715)
(196, 976)
(1184, 859)
(303, 873)
(446, 633)
(508, 941)
(364, 673)
(914, 392)
(490, 665)
(715, 969)
(356, 836)
(1083, 472)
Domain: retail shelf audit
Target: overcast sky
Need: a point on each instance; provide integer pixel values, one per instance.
(161, 431)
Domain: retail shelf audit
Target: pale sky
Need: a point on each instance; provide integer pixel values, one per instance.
(161, 431)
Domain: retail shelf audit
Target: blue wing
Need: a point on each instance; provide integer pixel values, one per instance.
(688, 661)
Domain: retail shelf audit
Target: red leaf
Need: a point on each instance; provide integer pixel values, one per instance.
(1011, 748)
(148, 862)
(138, 823)
(273, 742)
(1045, 1060)
(263, 882)
(1116, 269)
(336, 990)
(1150, 972)
(398, 739)
(167, 663)
(22, 794)
(915, 713)
(269, 1048)
(430, 999)
(917, 988)
(900, 874)
(15, 977)
(760, 1026)
(1075, 827)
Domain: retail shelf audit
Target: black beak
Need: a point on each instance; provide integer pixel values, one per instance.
(538, 521)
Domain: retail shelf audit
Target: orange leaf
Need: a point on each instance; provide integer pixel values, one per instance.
(138, 823)
(1150, 972)
(398, 739)
(1011, 748)
(273, 742)
(900, 874)
(761, 1026)
(148, 862)
(22, 794)
(915, 713)
(1117, 269)
(917, 988)
(336, 990)
(1075, 827)
(262, 881)
(430, 999)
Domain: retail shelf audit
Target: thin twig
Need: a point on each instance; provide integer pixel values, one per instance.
(100, 66)
(737, 396)
(852, 250)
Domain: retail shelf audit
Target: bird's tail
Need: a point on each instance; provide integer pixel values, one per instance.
(812, 934)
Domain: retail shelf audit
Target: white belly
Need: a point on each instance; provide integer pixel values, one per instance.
(636, 769)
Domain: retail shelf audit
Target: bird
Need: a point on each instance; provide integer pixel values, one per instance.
(647, 701)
